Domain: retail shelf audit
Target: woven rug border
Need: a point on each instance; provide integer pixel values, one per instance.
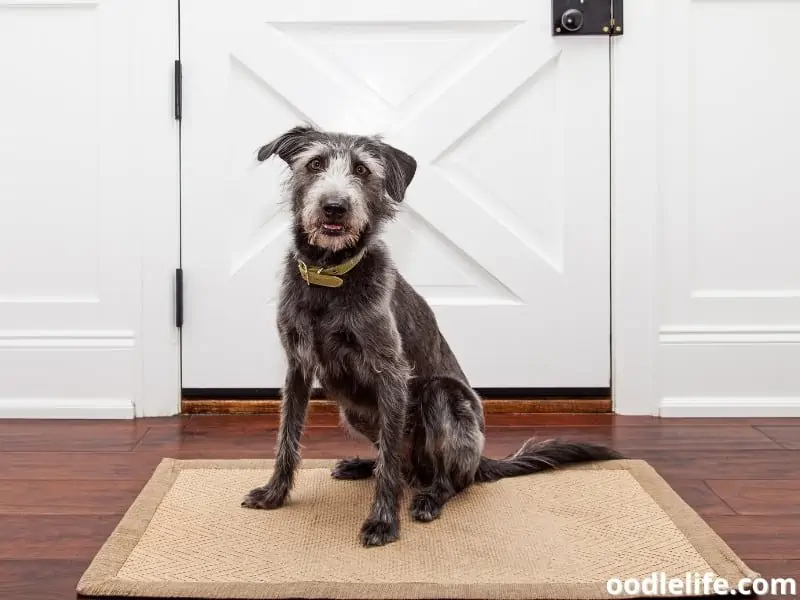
(100, 577)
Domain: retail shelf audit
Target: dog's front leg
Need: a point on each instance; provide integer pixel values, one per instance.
(383, 526)
(294, 406)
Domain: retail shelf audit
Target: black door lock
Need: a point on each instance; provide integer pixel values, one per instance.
(587, 17)
(572, 20)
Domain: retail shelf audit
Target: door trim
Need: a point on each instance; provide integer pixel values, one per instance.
(635, 275)
(156, 158)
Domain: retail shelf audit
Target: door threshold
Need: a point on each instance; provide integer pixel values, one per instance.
(495, 401)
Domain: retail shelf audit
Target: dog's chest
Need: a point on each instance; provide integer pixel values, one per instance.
(326, 340)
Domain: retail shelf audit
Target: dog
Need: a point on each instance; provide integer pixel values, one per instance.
(347, 317)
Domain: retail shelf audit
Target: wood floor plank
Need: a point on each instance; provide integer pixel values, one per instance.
(258, 422)
(40, 579)
(76, 465)
(70, 436)
(633, 438)
(61, 537)
(504, 439)
(721, 437)
(323, 442)
(63, 497)
(268, 452)
(787, 437)
(779, 569)
(329, 441)
(723, 464)
(759, 497)
(700, 497)
(757, 537)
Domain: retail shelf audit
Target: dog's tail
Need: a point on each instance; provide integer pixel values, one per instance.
(546, 455)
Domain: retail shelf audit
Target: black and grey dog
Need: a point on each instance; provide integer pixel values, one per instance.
(346, 316)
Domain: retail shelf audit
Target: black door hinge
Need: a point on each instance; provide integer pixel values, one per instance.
(178, 90)
(178, 297)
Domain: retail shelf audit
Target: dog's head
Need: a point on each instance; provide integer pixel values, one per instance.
(342, 185)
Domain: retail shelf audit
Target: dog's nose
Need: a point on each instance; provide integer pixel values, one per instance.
(334, 207)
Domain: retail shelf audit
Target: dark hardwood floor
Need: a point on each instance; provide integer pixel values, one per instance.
(65, 484)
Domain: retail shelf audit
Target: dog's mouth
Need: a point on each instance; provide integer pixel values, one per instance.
(332, 233)
(332, 228)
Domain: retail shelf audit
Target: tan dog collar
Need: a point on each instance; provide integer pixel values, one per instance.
(328, 276)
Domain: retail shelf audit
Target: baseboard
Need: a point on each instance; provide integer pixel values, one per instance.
(749, 406)
(320, 406)
(66, 408)
(69, 373)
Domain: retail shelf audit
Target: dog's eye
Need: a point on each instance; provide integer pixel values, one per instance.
(315, 165)
(362, 171)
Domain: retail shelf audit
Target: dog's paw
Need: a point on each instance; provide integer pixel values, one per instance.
(267, 497)
(379, 533)
(353, 468)
(424, 507)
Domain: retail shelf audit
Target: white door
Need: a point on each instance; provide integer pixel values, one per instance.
(505, 230)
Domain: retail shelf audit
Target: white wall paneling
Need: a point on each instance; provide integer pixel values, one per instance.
(730, 209)
(88, 181)
(726, 280)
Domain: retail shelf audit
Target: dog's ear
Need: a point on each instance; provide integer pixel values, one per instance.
(289, 144)
(400, 170)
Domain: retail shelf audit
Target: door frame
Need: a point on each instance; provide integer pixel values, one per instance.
(635, 265)
(634, 224)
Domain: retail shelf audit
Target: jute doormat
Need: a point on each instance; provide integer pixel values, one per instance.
(561, 534)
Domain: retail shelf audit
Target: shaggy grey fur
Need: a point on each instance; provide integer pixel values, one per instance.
(374, 343)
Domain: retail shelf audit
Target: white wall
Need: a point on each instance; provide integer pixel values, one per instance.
(724, 275)
(730, 218)
(88, 208)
